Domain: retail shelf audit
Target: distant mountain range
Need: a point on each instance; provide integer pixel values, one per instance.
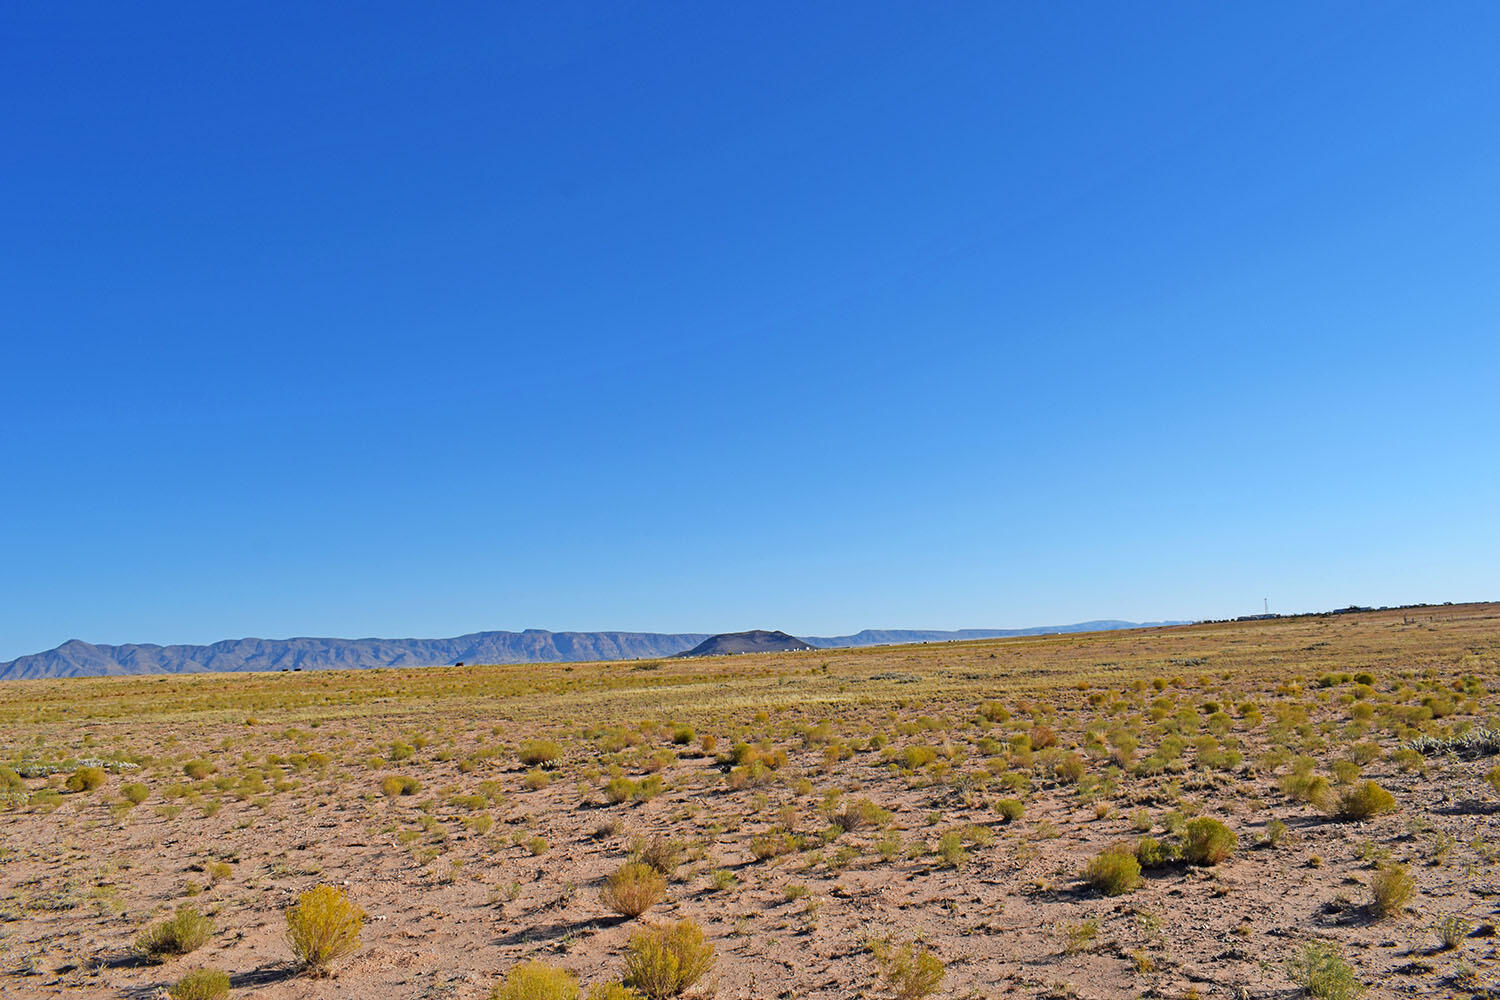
(76, 658)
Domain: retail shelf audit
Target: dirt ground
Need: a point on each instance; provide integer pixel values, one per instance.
(259, 787)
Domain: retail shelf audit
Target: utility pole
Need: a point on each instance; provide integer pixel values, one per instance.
(1268, 605)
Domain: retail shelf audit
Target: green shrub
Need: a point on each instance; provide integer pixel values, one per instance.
(633, 889)
(46, 799)
(1078, 936)
(198, 769)
(534, 752)
(1070, 769)
(1345, 771)
(135, 793)
(536, 981)
(1391, 888)
(322, 927)
(910, 971)
(662, 853)
(950, 848)
(1364, 800)
(1451, 931)
(201, 984)
(1011, 809)
(86, 779)
(612, 991)
(860, 814)
(766, 846)
(665, 961)
(994, 711)
(185, 931)
(10, 781)
(1320, 970)
(1206, 841)
(1114, 871)
(1152, 853)
(393, 785)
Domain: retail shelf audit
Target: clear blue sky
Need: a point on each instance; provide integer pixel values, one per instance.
(401, 320)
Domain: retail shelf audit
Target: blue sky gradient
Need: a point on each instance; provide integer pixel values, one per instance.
(690, 317)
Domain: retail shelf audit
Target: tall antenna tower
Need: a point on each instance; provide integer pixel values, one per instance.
(1268, 605)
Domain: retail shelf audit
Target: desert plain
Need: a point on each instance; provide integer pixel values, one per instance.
(1238, 809)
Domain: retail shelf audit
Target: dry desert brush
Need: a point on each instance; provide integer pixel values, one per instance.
(201, 984)
(1114, 871)
(909, 971)
(322, 927)
(536, 981)
(633, 889)
(185, 931)
(666, 961)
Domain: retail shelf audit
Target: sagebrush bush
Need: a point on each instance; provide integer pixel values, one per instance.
(662, 853)
(185, 931)
(1364, 800)
(322, 927)
(393, 785)
(861, 814)
(135, 793)
(1391, 888)
(1114, 871)
(910, 970)
(201, 984)
(1011, 809)
(766, 846)
(612, 991)
(1069, 769)
(633, 889)
(918, 757)
(1206, 841)
(86, 779)
(536, 981)
(950, 848)
(1321, 971)
(665, 961)
(534, 752)
(1152, 853)
(618, 790)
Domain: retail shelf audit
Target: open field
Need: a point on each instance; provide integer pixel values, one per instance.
(813, 812)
